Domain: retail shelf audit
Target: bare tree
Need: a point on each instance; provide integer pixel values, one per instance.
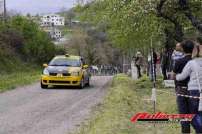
(77, 42)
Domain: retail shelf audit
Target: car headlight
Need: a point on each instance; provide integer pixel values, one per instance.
(45, 72)
(74, 73)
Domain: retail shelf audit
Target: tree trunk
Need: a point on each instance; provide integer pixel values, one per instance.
(184, 5)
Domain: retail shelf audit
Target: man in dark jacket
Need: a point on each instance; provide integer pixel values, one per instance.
(181, 86)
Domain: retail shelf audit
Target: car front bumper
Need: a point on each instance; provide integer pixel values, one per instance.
(63, 81)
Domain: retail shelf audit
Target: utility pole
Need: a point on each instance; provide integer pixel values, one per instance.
(153, 66)
(153, 74)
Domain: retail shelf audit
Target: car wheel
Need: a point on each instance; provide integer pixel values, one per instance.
(82, 84)
(44, 86)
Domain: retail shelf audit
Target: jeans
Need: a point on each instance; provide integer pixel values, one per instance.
(193, 108)
(183, 108)
(190, 106)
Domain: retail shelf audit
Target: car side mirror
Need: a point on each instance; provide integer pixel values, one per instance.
(45, 65)
(85, 66)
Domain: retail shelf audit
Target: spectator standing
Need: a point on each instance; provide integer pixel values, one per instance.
(164, 63)
(181, 86)
(193, 85)
(153, 65)
(149, 65)
(158, 64)
(139, 63)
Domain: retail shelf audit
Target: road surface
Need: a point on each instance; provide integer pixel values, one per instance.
(32, 110)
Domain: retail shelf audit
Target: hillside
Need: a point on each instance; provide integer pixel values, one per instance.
(23, 49)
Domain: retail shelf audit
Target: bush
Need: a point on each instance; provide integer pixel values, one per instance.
(23, 42)
(11, 38)
(37, 46)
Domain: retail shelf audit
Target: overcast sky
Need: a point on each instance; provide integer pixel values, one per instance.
(39, 6)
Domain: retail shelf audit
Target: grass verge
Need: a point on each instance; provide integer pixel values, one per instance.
(14, 73)
(9, 81)
(125, 98)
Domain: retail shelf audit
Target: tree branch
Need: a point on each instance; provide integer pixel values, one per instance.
(178, 34)
(188, 13)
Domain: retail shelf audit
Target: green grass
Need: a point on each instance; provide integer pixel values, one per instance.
(126, 98)
(18, 78)
(14, 73)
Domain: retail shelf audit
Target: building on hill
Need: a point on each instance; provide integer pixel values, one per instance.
(53, 32)
(50, 23)
(52, 20)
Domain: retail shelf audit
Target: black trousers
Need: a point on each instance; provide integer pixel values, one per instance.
(189, 106)
(139, 71)
(164, 72)
(183, 108)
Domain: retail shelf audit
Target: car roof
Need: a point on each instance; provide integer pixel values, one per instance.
(68, 57)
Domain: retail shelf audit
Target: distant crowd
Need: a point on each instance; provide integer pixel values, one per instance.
(104, 70)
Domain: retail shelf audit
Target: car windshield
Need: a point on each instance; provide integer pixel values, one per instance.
(65, 62)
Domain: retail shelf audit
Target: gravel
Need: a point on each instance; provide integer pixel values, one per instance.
(32, 110)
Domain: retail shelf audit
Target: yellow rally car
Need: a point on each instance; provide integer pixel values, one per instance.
(65, 70)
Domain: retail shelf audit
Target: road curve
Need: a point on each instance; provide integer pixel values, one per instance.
(32, 110)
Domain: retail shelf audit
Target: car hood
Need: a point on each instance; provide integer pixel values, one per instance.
(62, 69)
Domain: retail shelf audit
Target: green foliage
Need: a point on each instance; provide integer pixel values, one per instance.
(37, 46)
(130, 24)
(23, 43)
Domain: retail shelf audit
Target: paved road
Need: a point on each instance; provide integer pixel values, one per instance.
(32, 110)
